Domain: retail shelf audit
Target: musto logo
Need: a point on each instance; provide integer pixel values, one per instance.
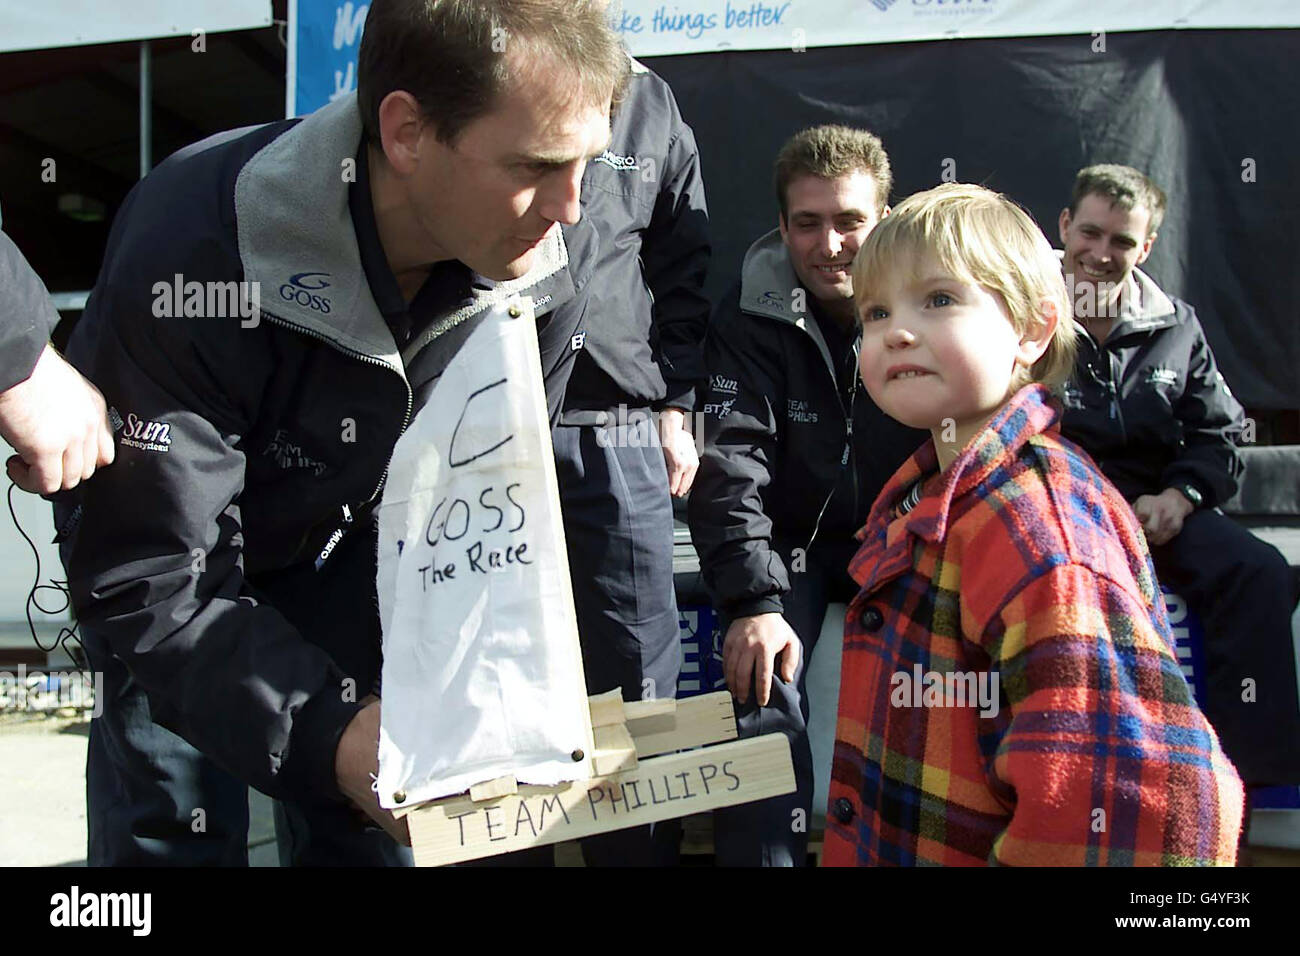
(303, 289)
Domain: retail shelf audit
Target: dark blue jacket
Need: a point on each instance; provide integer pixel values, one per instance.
(795, 449)
(1150, 406)
(27, 316)
(648, 312)
(203, 557)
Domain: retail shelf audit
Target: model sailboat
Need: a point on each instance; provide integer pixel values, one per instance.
(489, 741)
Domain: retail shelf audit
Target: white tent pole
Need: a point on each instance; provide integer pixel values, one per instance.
(146, 113)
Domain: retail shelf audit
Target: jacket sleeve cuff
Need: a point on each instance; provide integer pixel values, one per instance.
(769, 604)
(1177, 477)
(27, 316)
(680, 395)
(317, 727)
(20, 360)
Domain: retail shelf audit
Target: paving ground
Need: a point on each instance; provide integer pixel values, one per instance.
(43, 796)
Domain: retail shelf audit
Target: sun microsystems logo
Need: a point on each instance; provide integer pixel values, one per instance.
(146, 435)
(720, 383)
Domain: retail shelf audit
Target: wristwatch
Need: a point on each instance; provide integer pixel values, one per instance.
(1189, 492)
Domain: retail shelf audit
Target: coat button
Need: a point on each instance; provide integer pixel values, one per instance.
(872, 618)
(843, 810)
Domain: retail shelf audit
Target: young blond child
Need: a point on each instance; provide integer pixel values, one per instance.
(1009, 691)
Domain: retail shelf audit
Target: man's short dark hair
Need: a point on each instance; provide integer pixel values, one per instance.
(829, 152)
(1125, 187)
(456, 57)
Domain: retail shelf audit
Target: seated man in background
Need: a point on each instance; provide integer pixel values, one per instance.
(1147, 402)
(796, 453)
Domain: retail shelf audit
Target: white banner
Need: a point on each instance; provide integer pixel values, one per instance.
(482, 667)
(654, 28)
(43, 24)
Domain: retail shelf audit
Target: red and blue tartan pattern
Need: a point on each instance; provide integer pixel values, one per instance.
(1020, 561)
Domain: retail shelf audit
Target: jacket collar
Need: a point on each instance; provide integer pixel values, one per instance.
(768, 286)
(1143, 306)
(295, 233)
(887, 548)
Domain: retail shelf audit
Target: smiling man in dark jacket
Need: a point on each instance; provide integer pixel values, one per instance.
(1148, 403)
(273, 306)
(796, 452)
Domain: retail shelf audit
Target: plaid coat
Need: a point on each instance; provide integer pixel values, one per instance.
(1021, 572)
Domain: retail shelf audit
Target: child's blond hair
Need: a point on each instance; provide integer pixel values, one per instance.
(984, 238)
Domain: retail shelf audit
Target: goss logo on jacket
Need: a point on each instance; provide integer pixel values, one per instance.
(302, 289)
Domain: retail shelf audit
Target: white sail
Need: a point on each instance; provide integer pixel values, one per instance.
(482, 669)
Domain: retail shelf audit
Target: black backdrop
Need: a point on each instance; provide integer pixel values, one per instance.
(1022, 116)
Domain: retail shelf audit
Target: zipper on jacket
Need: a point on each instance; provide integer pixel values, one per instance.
(853, 399)
(343, 528)
(853, 395)
(1116, 412)
(848, 447)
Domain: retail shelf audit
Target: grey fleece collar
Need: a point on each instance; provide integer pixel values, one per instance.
(768, 285)
(552, 256)
(768, 280)
(1144, 305)
(297, 241)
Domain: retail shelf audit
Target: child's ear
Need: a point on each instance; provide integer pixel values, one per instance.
(1038, 335)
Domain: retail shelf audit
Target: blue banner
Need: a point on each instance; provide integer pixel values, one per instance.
(325, 35)
(324, 39)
